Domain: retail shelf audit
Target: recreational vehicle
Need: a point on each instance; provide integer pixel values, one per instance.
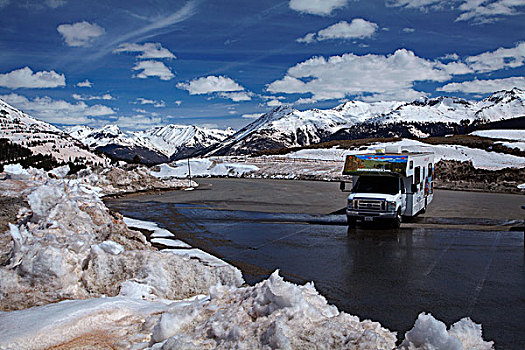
(388, 185)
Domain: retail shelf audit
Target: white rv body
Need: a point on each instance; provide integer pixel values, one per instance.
(389, 186)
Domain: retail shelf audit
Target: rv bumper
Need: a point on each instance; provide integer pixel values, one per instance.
(370, 216)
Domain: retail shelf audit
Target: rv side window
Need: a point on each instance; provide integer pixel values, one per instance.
(411, 164)
(430, 173)
(401, 186)
(417, 175)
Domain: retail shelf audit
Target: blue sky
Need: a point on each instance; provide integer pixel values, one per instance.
(144, 63)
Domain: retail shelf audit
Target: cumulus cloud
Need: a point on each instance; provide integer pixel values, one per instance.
(498, 59)
(378, 77)
(26, 78)
(80, 34)
(317, 7)
(106, 97)
(58, 111)
(485, 11)
(485, 86)
(86, 83)
(358, 29)
(147, 50)
(210, 84)
(237, 96)
(273, 103)
(477, 11)
(153, 69)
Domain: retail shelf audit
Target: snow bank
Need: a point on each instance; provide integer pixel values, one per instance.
(518, 135)
(429, 333)
(69, 246)
(203, 168)
(272, 314)
(116, 322)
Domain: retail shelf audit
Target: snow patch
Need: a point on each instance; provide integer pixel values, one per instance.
(429, 333)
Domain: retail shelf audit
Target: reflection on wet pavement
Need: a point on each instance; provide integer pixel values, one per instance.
(375, 273)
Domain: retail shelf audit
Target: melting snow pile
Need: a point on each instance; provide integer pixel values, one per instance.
(67, 245)
(272, 314)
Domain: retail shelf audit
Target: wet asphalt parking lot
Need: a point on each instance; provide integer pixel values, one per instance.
(457, 260)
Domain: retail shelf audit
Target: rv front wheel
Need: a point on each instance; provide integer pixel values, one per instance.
(396, 222)
(351, 221)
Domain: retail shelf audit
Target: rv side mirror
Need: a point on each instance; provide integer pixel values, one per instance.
(342, 185)
(413, 188)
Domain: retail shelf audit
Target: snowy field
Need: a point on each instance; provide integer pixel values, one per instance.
(326, 164)
(516, 138)
(76, 276)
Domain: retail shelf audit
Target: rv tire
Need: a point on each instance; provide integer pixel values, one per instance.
(351, 221)
(396, 222)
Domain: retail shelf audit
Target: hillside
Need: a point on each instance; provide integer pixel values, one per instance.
(42, 138)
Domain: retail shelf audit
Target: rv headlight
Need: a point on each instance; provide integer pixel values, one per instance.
(391, 206)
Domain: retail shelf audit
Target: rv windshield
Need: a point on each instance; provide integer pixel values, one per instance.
(377, 184)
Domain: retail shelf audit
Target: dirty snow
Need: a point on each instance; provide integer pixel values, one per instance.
(69, 246)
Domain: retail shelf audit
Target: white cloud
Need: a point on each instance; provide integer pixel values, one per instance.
(485, 86)
(358, 29)
(237, 96)
(252, 116)
(4, 3)
(498, 59)
(485, 11)
(409, 30)
(26, 78)
(86, 83)
(145, 101)
(57, 111)
(178, 102)
(450, 56)
(477, 11)
(375, 76)
(274, 103)
(307, 39)
(147, 50)
(80, 34)
(138, 122)
(106, 97)
(153, 69)
(317, 7)
(456, 68)
(210, 84)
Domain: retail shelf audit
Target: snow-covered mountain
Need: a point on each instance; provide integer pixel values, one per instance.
(288, 127)
(158, 144)
(42, 138)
